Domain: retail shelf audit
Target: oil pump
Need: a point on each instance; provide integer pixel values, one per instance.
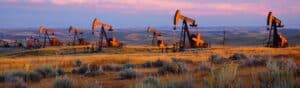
(194, 40)
(46, 37)
(275, 39)
(8, 43)
(32, 42)
(77, 39)
(158, 37)
(155, 34)
(111, 42)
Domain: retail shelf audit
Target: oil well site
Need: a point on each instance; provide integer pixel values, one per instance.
(182, 52)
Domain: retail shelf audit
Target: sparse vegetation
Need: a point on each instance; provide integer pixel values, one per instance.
(159, 63)
(80, 70)
(176, 60)
(128, 74)
(112, 67)
(253, 62)
(176, 68)
(92, 85)
(34, 76)
(217, 59)
(94, 70)
(46, 71)
(258, 70)
(222, 77)
(77, 63)
(276, 77)
(152, 82)
(63, 82)
(128, 66)
(204, 66)
(147, 64)
(238, 56)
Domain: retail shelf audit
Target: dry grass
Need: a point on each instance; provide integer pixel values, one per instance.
(65, 61)
(136, 55)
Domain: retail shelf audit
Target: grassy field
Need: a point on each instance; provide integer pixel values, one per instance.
(57, 57)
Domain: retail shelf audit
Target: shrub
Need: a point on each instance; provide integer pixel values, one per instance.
(217, 59)
(77, 63)
(111, 67)
(173, 68)
(93, 70)
(2, 78)
(275, 77)
(128, 74)
(60, 71)
(297, 72)
(176, 60)
(147, 64)
(287, 64)
(221, 77)
(20, 74)
(159, 63)
(64, 82)
(34, 76)
(92, 85)
(186, 83)
(151, 82)
(10, 78)
(253, 62)
(19, 83)
(238, 56)
(80, 70)
(128, 65)
(46, 71)
(204, 66)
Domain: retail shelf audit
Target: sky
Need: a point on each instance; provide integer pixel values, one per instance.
(142, 13)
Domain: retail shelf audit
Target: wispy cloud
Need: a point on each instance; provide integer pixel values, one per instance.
(191, 7)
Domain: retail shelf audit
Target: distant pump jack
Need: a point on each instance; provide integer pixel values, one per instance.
(195, 40)
(76, 33)
(111, 42)
(46, 35)
(275, 40)
(157, 35)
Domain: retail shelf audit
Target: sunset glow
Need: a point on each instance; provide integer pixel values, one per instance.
(212, 12)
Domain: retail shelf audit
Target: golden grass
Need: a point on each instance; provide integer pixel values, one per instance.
(65, 61)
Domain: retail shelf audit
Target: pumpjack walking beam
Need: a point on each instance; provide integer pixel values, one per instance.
(102, 33)
(155, 34)
(277, 40)
(185, 28)
(46, 35)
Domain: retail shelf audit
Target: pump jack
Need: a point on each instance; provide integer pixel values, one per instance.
(76, 33)
(195, 40)
(111, 42)
(278, 40)
(32, 42)
(46, 33)
(157, 36)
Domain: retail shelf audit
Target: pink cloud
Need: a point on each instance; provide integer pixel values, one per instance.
(37, 1)
(258, 7)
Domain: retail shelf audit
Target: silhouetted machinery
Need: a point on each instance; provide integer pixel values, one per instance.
(47, 37)
(194, 40)
(158, 37)
(33, 42)
(8, 43)
(110, 42)
(77, 39)
(275, 39)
